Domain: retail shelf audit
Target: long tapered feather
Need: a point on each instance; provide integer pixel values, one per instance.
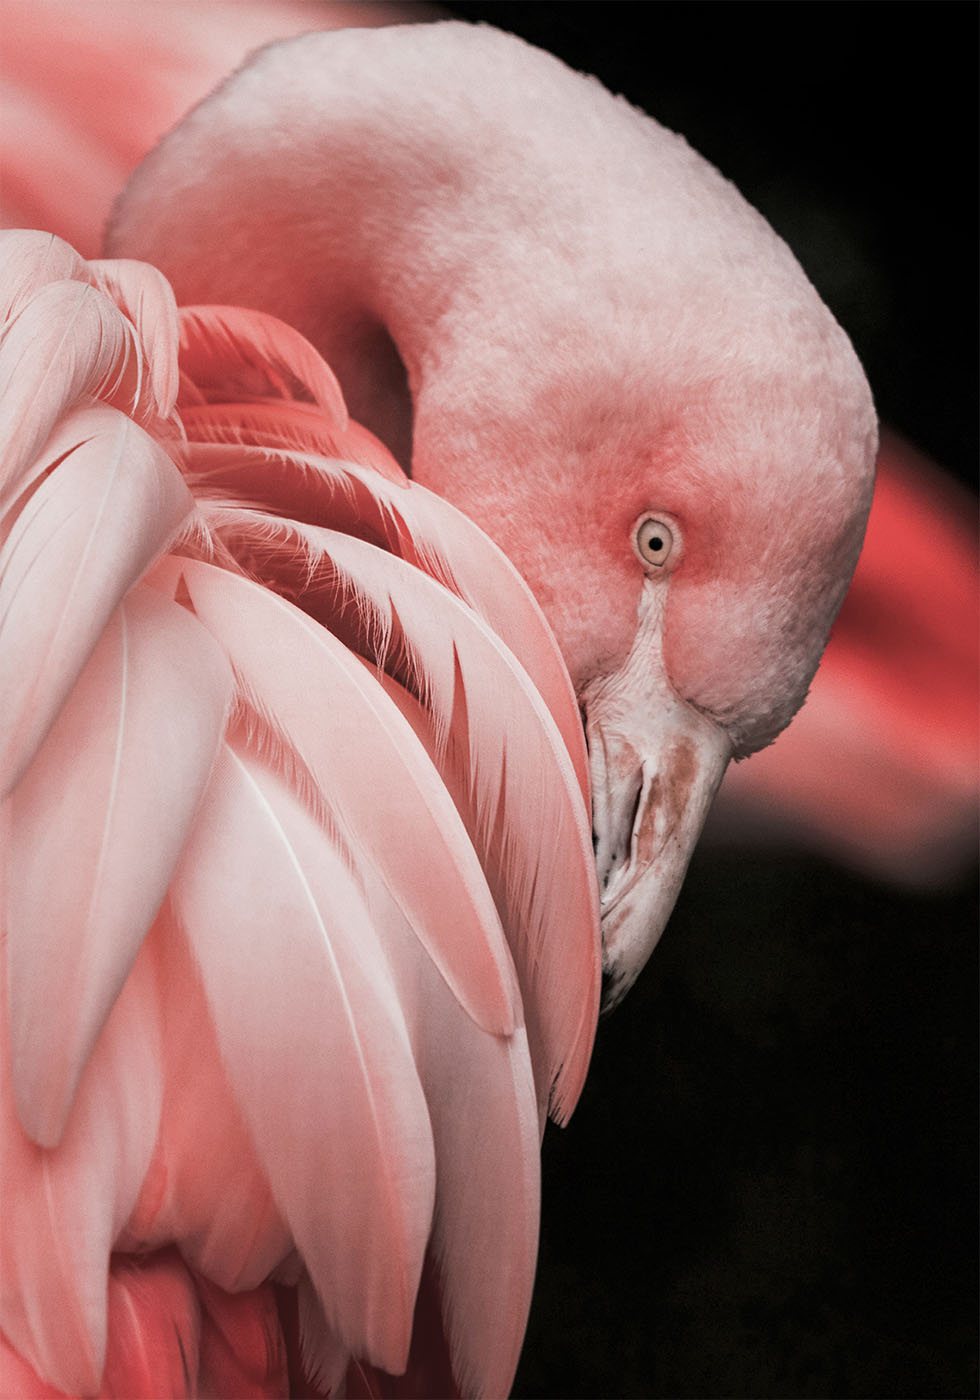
(504, 738)
(485, 1235)
(31, 259)
(415, 524)
(70, 343)
(480, 1091)
(97, 825)
(233, 354)
(56, 1253)
(145, 296)
(318, 1053)
(374, 776)
(204, 1187)
(290, 425)
(525, 802)
(112, 504)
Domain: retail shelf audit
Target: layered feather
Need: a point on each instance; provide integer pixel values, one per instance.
(315, 1046)
(143, 295)
(97, 825)
(247, 374)
(418, 526)
(63, 1209)
(31, 259)
(86, 534)
(489, 723)
(485, 1124)
(273, 921)
(70, 343)
(372, 773)
(242, 355)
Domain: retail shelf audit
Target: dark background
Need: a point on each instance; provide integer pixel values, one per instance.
(769, 1188)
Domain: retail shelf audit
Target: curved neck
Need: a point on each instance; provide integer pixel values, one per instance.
(396, 220)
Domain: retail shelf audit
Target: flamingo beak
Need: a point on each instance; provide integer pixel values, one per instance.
(656, 765)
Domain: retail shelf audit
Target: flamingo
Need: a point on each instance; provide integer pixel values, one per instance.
(294, 769)
(76, 123)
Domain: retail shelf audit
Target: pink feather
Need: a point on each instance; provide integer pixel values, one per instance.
(234, 355)
(89, 530)
(371, 1020)
(56, 1254)
(155, 1328)
(286, 425)
(97, 825)
(373, 775)
(417, 525)
(225, 1218)
(521, 792)
(31, 260)
(143, 295)
(70, 343)
(317, 1050)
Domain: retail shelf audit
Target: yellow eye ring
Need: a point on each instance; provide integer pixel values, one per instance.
(655, 541)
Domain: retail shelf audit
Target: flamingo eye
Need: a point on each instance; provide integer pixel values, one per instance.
(654, 541)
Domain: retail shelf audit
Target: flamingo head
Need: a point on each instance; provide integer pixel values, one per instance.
(687, 499)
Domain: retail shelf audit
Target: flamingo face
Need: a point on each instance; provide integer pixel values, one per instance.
(690, 543)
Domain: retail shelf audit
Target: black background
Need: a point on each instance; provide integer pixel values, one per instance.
(769, 1188)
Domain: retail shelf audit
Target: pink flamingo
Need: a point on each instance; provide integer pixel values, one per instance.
(302, 923)
(76, 120)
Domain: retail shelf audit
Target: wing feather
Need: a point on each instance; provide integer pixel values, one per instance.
(315, 1045)
(485, 1234)
(92, 526)
(235, 354)
(373, 774)
(31, 259)
(144, 295)
(480, 1090)
(63, 1209)
(526, 813)
(70, 343)
(205, 1187)
(287, 425)
(97, 825)
(527, 817)
(415, 524)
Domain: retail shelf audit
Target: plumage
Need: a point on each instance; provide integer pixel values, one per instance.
(316, 1051)
(410, 983)
(64, 1209)
(75, 540)
(106, 802)
(336, 880)
(246, 356)
(351, 755)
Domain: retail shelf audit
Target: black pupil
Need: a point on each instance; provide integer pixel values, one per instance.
(656, 543)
